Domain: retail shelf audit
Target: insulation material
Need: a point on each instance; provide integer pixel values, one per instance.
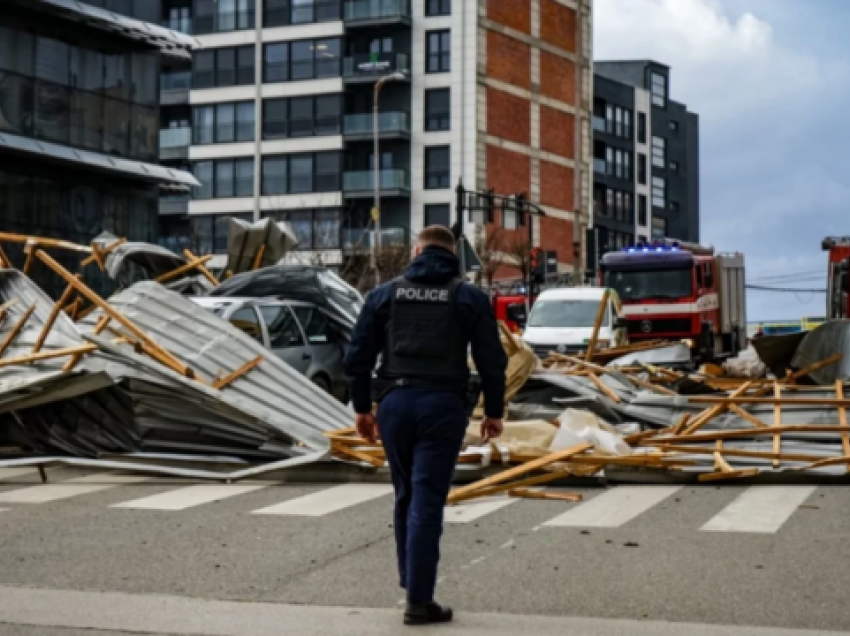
(256, 245)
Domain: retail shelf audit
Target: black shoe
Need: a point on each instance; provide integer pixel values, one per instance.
(427, 614)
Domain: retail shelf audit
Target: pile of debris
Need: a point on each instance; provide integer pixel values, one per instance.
(146, 378)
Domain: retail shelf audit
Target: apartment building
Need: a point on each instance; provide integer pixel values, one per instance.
(645, 159)
(79, 121)
(277, 117)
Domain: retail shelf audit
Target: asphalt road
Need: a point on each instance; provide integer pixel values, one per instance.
(643, 555)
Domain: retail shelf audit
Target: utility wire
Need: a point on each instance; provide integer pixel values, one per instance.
(784, 289)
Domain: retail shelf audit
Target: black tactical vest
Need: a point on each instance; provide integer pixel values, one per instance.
(424, 340)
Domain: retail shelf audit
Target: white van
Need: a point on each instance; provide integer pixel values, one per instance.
(562, 321)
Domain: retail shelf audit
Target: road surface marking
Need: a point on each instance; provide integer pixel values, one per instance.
(464, 513)
(9, 473)
(327, 501)
(71, 488)
(615, 507)
(192, 496)
(760, 509)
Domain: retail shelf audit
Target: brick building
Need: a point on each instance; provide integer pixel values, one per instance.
(280, 115)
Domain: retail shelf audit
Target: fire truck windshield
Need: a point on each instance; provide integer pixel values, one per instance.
(650, 285)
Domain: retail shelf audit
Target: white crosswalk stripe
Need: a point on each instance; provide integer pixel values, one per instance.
(71, 488)
(19, 471)
(614, 507)
(760, 509)
(192, 496)
(466, 512)
(327, 501)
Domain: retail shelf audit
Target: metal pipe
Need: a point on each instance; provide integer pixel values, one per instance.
(258, 106)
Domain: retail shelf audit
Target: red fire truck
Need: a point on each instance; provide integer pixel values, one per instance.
(681, 291)
(838, 276)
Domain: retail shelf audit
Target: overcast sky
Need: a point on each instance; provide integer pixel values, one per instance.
(769, 80)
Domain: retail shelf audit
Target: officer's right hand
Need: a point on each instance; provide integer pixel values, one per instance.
(491, 428)
(367, 427)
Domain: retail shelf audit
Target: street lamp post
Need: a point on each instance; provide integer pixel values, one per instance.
(376, 210)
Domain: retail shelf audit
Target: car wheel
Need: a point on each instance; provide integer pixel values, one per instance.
(322, 383)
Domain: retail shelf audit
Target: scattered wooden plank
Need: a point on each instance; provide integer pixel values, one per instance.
(351, 430)
(202, 268)
(785, 401)
(85, 291)
(735, 474)
(731, 452)
(183, 269)
(777, 423)
(13, 334)
(258, 258)
(817, 366)
(683, 422)
(604, 388)
(744, 433)
(232, 377)
(499, 488)
(709, 414)
(8, 237)
(48, 355)
(355, 454)
(842, 419)
(597, 325)
(752, 419)
(523, 469)
(102, 252)
(5, 261)
(51, 319)
(29, 250)
(523, 493)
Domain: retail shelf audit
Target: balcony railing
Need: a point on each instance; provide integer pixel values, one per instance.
(177, 81)
(367, 12)
(175, 137)
(600, 124)
(372, 66)
(361, 239)
(224, 21)
(388, 123)
(364, 181)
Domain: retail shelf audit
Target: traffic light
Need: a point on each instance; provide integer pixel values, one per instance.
(538, 265)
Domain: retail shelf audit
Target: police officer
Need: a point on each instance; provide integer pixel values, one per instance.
(422, 325)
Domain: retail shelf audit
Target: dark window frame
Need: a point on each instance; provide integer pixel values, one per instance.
(642, 168)
(315, 176)
(437, 178)
(321, 125)
(441, 119)
(642, 128)
(198, 140)
(440, 209)
(438, 59)
(435, 8)
(242, 75)
(213, 188)
(320, 69)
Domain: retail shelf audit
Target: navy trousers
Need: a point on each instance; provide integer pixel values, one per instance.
(422, 431)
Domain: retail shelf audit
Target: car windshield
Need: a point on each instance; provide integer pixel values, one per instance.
(564, 313)
(657, 284)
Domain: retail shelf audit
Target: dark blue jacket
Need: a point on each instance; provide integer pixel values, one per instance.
(473, 310)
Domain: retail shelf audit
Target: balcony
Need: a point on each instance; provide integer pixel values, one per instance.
(172, 205)
(600, 166)
(370, 13)
(223, 22)
(174, 143)
(174, 88)
(360, 239)
(394, 182)
(360, 127)
(371, 67)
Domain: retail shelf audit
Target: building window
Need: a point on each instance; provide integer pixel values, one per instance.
(618, 121)
(302, 173)
(438, 215)
(438, 7)
(438, 109)
(674, 125)
(674, 206)
(659, 152)
(642, 168)
(315, 229)
(437, 168)
(619, 206)
(659, 227)
(659, 192)
(311, 116)
(642, 210)
(674, 166)
(302, 60)
(218, 16)
(658, 87)
(618, 170)
(609, 202)
(627, 124)
(642, 128)
(223, 67)
(609, 160)
(627, 165)
(287, 12)
(439, 52)
(628, 212)
(223, 123)
(224, 178)
(609, 119)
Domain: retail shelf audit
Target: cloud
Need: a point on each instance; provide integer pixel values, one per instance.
(771, 183)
